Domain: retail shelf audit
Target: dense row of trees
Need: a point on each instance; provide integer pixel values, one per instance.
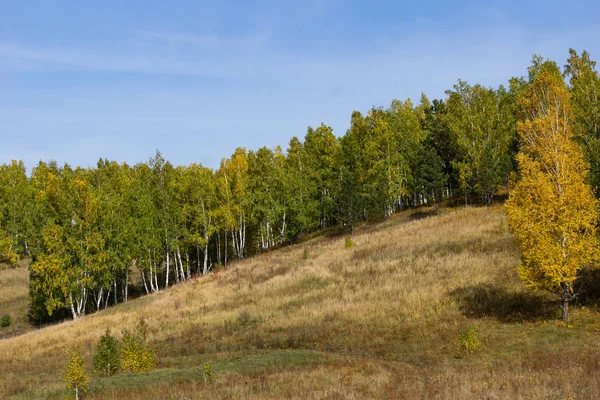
(88, 230)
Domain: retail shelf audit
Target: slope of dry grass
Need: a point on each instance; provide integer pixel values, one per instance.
(378, 320)
(14, 298)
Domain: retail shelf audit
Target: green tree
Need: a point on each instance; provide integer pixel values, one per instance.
(482, 123)
(320, 148)
(106, 359)
(350, 191)
(235, 211)
(301, 202)
(16, 204)
(196, 193)
(266, 184)
(434, 123)
(161, 178)
(145, 229)
(111, 181)
(7, 254)
(585, 100)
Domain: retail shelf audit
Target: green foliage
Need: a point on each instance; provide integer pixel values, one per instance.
(585, 99)
(305, 253)
(208, 373)
(5, 321)
(106, 359)
(482, 123)
(7, 254)
(502, 226)
(348, 243)
(468, 339)
(75, 376)
(86, 228)
(136, 354)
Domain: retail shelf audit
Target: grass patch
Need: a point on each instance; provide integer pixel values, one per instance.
(379, 320)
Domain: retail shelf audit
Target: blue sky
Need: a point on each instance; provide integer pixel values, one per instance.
(81, 80)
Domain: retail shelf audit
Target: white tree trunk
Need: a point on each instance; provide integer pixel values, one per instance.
(126, 286)
(167, 275)
(144, 280)
(181, 271)
(99, 299)
(205, 269)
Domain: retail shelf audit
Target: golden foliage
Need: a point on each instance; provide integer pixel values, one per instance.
(551, 210)
(75, 376)
(136, 353)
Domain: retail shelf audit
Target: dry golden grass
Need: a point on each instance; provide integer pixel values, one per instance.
(378, 320)
(14, 298)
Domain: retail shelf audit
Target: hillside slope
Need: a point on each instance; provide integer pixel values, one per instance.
(14, 298)
(378, 320)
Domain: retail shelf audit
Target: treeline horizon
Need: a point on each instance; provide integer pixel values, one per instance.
(87, 230)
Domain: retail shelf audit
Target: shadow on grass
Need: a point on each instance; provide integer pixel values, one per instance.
(421, 214)
(493, 301)
(588, 287)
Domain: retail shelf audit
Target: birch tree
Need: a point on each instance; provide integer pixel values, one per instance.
(482, 123)
(551, 210)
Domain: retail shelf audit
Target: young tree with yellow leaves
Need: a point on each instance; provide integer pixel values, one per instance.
(75, 376)
(551, 210)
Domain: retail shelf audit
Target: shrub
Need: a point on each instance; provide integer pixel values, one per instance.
(468, 339)
(305, 253)
(5, 321)
(75, 376)
(136, 353)
(348, 242)
(208, 374)
(106, 357)
(244, 318)
(502, 226)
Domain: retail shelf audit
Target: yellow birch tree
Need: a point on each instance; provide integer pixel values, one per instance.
(551, 210)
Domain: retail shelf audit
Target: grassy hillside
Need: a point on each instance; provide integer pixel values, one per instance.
(14, 298)
(378, 320)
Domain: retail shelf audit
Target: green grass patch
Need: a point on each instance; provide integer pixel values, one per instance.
(243, 364)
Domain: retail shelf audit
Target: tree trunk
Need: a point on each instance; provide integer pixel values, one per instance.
(167, 275)
(144, 280)
(73, 312)
(126, 286)
(156, 288)
(187, 264)
(218, 248)
(99, 299)
(181, 271)
(176, 270)
(205, 269)
(115, 288)
(151, 278)
(283, 229)
(198, 258)
(565, 304)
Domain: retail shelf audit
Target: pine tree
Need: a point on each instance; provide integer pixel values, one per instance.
(106, 360)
